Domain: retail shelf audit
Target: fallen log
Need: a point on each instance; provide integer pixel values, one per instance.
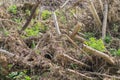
(106, 57)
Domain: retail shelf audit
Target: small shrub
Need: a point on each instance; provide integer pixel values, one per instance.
(61, 17)
(33, 44)
(35, 29)
(108, 39)
(96, 44)
(73, 66)
(89, 35)
(18, 76)
(27, 12)
(118, 52)
(45, 14)
(13, 9)
(17, 20)
(115, 52)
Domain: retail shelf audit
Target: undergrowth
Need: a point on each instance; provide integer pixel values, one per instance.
(96, 44)
(12, 9)
(45, 14)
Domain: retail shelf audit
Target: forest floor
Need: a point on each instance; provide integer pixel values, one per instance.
(58, 41)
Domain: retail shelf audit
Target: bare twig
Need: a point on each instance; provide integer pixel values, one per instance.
(64, 3)
(74, 44)
(105, 20)
(99, 54)
(56, 23)
(80, 38)
(80, 74)
(101, 5)
(105, 75)
(77, 37)
(65, 56)
(76, 30)
(31, 16)
(9, 21)
(95, 15)
(6, 53)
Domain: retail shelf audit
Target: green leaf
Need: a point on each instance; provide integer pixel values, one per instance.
(96, 44)
(13, 9)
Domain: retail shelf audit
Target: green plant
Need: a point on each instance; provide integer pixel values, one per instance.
(89, 35)
(108, 39)
(18, 20)
(27, 12)
(61, 17)
(118, 52)
(19, 76)
(33, 44)
(115, 52)
(35, 29)
(45, 14)
(115, 27)
(13, 9)
(73, 66)
(6, 33)
(96, 44)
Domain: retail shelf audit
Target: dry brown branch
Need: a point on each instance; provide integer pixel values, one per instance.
(67, 57)
(101, 5)
(64, 3)
(74, 44)
(99, 54)
(80, 38)
(105, 75)
(56, 23)
(77, 37)
(9, 21)
(7, 53)
(76, 30)
(31, 16)
(105, 20)
(95, 15)
(80, 74)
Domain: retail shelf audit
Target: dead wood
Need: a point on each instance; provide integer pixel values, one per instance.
(30, 17)
(80, 74)
(66, 57)
(74, 44)
(76, 30)
(7, 53)
(81, 39)
(95, 15)
(105, 14)
(99, 54)
(105, 75)
(56, 23)
(101, 4)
